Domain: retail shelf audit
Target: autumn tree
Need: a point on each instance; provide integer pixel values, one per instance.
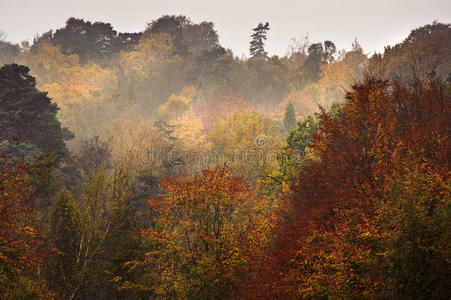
(264, 82)
(277, 181)
(172, 26)
(336, 239)
(188, 38)
(23, 245)
(177, 105)
(425, 50)
(148, 74)
(93, 155)
(247, 143)
(84, 94)
(203, 239)
(415, 220)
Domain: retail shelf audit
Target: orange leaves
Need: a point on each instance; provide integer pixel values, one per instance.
(207, 231)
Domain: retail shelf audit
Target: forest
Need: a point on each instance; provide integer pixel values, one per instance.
(160, 165)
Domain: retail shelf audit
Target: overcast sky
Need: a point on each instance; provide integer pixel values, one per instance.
(375, 23)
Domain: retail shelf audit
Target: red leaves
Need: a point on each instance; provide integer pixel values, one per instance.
(384, 126)
(22, 246)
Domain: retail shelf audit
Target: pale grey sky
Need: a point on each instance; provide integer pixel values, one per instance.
(375, 23)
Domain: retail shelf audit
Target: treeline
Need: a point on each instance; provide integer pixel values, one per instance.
(89, 69)
(190, 173)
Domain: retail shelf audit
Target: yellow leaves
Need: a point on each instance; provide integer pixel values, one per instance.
(191, 132)
(116, 279)
(47, 63)
(177, 105)
(156, 45)
(151, 53)
(247, 142)
(365, 234)
(136, 142)
(78, 90)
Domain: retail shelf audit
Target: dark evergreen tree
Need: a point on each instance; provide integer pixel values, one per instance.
(27, 116)
(188, 38)
(257, 48)
(90, 41)
(64, 225)
(172, 25)
(289, 120)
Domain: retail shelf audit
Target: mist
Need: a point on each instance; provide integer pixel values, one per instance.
(289, 153)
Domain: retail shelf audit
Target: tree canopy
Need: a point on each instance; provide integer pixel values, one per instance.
(28, 115)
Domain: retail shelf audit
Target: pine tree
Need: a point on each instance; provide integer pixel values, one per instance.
(28, 115)
(64, 225)
(289, 121)
(257, 48)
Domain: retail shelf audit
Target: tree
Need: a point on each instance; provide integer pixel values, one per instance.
(150, 73)
(425, 31)
(416, 220)
(23, 246)
(93, 156)
(317, 56)
(188, 38)
(304, 101)
(65, 222)
(289, 120)
(370, 207)
(90, 41)
(95, 236)
(277, 182)
(247, 143)
(177, 105)
(27, 115)
(8, 51)
(425, 50)
(257, 45)
(174, 27)
(220, 108)
(263, 81)
(205, 236)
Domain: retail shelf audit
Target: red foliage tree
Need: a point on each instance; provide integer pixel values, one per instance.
(22, 246)
(330, 240)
